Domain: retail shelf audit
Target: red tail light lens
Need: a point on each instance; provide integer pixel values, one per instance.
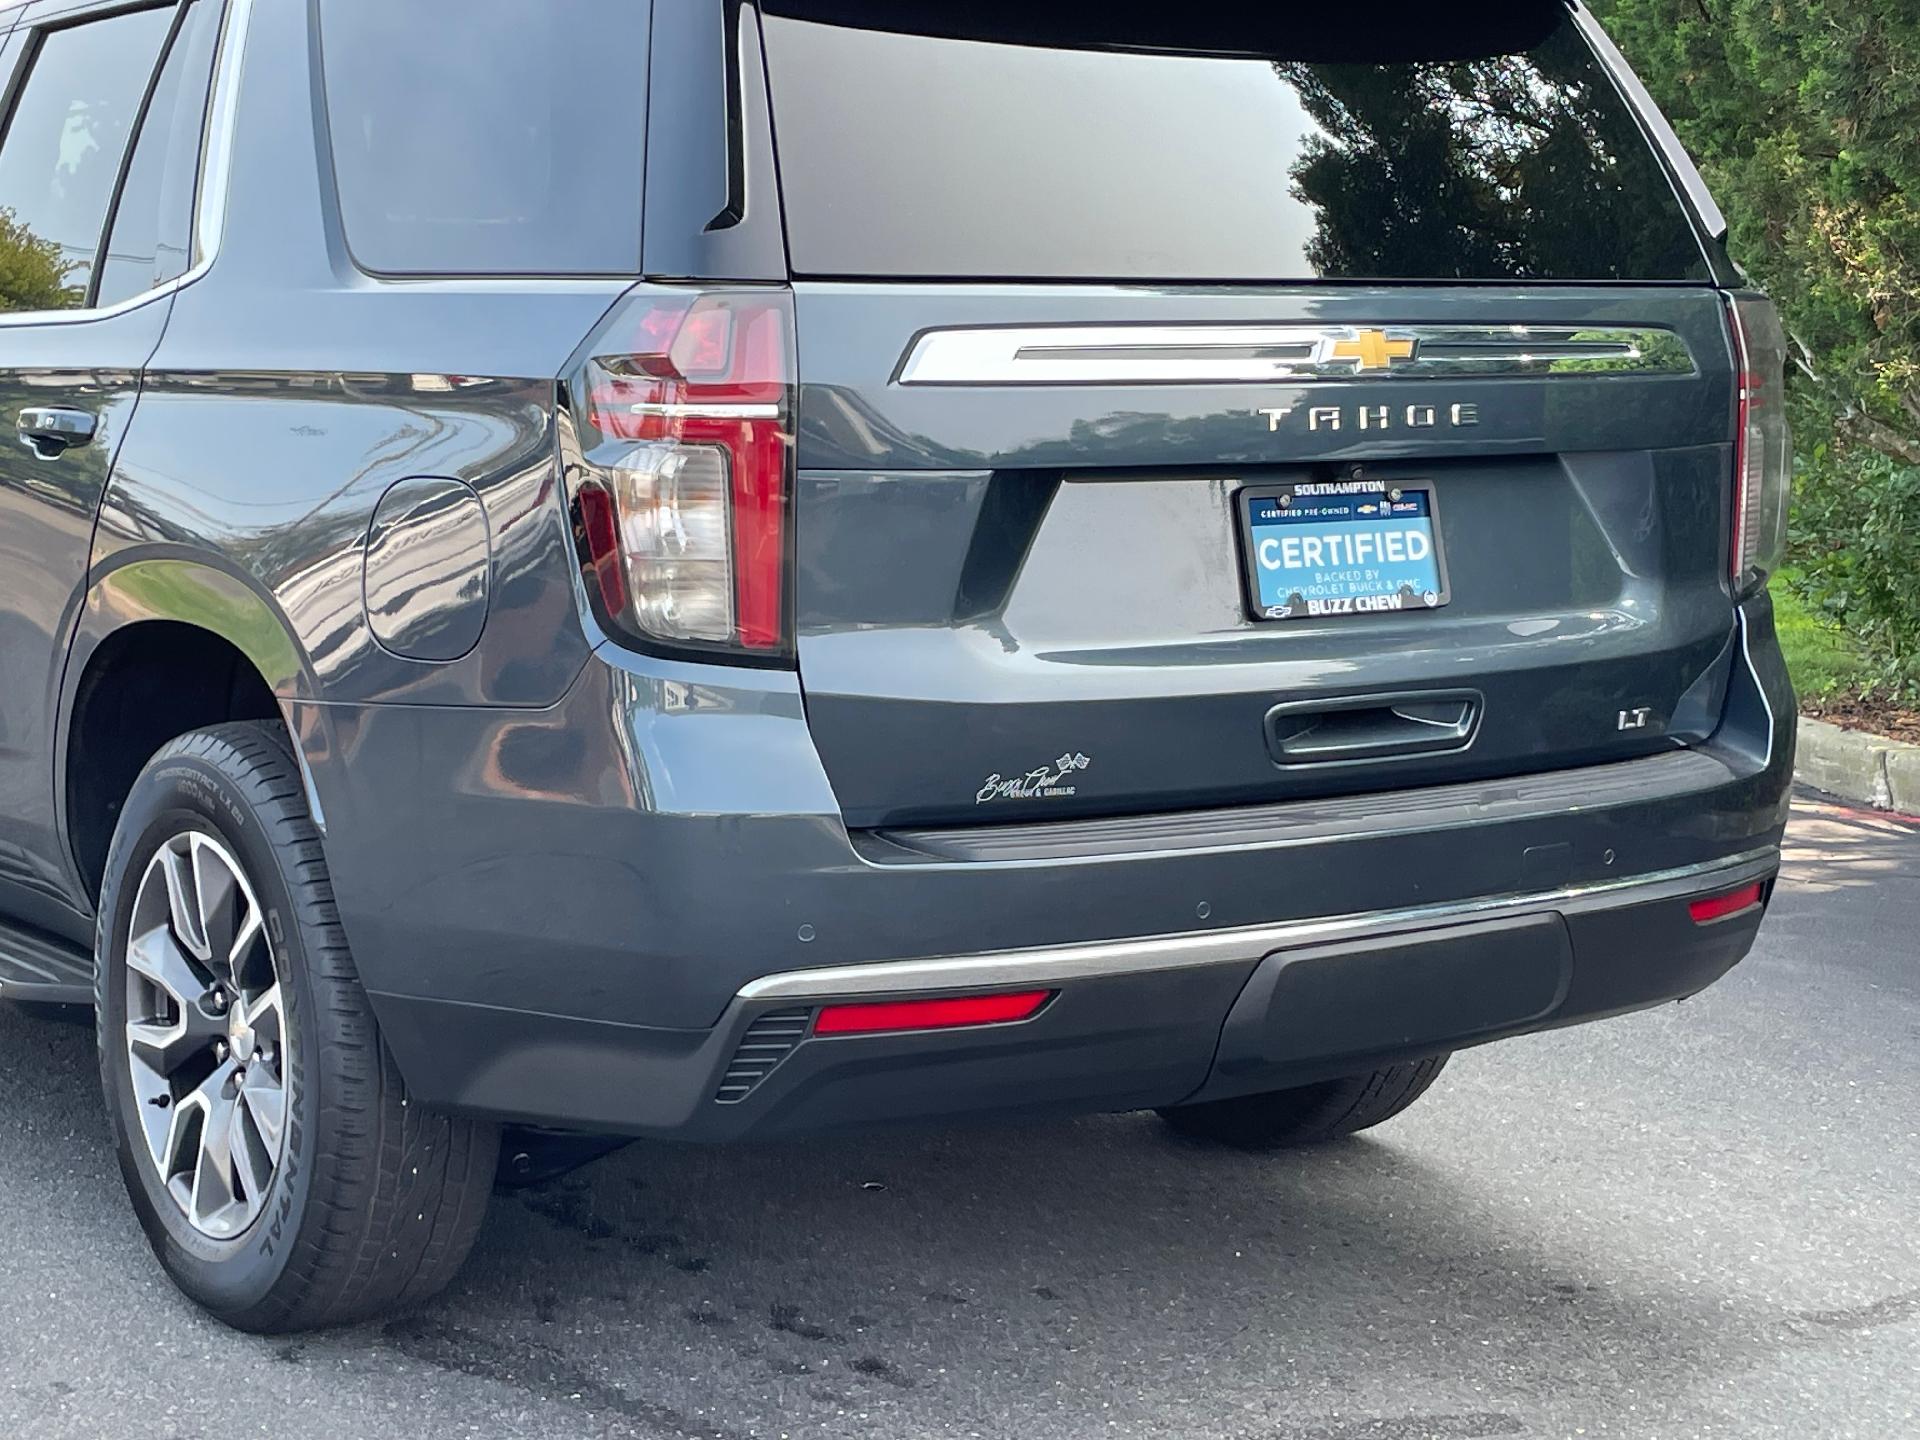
(1718, 907)
(1763, 448)
(943, 1014)
(684, 416)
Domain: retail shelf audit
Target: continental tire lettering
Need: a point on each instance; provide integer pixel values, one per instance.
(289, 1172)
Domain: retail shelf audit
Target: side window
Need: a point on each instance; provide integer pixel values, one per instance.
(151, 240)
(488, 137)
(61, 154)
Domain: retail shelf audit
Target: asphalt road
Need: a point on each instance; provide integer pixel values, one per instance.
(1700, 1221)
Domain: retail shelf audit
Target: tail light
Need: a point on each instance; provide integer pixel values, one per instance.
(1763, 451)
(683, 411)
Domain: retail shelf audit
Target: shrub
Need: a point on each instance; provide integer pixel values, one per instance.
(33, 272)
(1857, 542)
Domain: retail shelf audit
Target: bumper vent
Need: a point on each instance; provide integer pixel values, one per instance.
(768, 1041)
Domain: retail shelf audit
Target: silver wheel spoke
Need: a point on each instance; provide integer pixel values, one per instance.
(252, 1156)
(263, 1011)
(239, 952)
(215, 1188)
(183, 905)
(159, 958)
(163, 1049)
(163, 1042)
(218, 902)
(182, 1135)
(266, 1106)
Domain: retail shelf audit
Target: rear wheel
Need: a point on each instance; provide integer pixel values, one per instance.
(267, 1140)
(1309, 1114)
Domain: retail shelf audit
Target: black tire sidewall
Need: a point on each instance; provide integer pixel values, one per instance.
(183, 791)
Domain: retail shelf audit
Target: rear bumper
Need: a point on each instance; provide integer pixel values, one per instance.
(1131, 1025)
(581, 915)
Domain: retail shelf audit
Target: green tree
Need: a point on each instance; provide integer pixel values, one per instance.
(1804, 116)
(33, 272)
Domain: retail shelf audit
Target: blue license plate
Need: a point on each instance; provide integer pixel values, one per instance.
(1343, 547)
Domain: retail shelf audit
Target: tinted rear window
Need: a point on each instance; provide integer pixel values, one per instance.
(1112, 142)
(493, 137)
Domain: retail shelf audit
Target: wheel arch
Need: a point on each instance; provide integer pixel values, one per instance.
(164, 645)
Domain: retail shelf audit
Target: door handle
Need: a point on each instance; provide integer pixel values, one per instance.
(50, 431)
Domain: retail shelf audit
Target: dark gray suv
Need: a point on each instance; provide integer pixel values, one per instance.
(720, 568)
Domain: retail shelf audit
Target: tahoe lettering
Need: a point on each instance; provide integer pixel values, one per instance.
(1374, 417)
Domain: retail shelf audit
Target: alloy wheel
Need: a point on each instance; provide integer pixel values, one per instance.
(206, 1034)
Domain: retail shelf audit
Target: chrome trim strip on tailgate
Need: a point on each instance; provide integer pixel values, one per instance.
(1060, 964)
(1259, 354)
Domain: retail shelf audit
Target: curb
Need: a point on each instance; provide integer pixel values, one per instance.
(1866, 769)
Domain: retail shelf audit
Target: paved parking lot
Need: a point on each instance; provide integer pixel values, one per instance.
(1701, 1221)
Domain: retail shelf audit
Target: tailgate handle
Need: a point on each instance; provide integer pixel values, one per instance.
(1372, 727)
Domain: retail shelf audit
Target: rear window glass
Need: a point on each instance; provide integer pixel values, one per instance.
(1111, 142)
(490, 137)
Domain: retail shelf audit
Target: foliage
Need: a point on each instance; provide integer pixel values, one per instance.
(1822, 660)
(1804, 116)
(33, 272)
(1857, 540)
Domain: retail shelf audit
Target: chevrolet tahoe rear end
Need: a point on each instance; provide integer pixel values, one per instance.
(1204, 558)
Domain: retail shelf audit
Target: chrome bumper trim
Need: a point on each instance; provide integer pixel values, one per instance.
(1060, 964)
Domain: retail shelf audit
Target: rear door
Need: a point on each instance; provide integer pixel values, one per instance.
(1216, 409)
(92, 228)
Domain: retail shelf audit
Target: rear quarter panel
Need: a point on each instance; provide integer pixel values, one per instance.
(291, 392)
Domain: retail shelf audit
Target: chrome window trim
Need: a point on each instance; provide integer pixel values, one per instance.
(1265, 354)
(216, 150)
(210, 198)
(1061, 964)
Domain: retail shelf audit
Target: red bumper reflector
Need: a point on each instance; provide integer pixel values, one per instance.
(1718, 907)
(929, 1014)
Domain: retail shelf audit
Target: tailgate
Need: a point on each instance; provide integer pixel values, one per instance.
(1022, 598)
(1220, 406)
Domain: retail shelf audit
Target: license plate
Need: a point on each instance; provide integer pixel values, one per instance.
(1343, 547)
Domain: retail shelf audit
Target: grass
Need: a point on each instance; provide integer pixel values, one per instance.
(1820, 658)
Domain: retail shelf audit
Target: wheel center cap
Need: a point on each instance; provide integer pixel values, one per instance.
(241, 1037)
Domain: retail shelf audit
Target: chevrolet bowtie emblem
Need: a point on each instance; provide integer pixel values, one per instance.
(1374, 349)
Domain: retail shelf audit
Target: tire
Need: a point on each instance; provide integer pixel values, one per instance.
(354, 1201)
(1310, 1114)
